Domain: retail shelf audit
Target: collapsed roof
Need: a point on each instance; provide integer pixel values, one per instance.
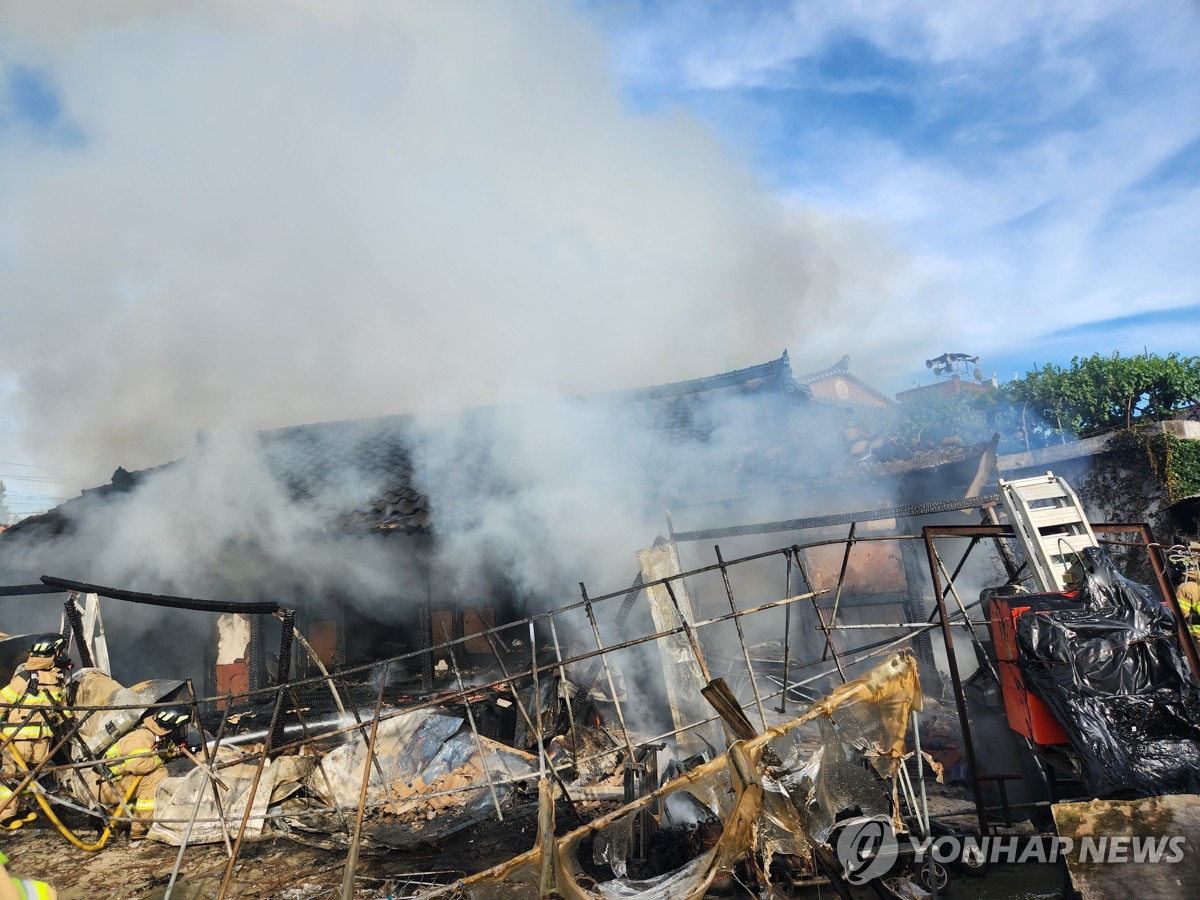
(744, 431)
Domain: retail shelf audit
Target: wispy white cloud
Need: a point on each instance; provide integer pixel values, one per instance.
(1010, 148)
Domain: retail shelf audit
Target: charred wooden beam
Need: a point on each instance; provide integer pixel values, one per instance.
(254, 606)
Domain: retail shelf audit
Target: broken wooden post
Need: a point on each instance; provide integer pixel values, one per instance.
(284, 674)
(683, 664)
(548, 876)
(722, 698)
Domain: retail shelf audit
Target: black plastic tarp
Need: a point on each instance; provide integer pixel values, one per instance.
(1108, 664)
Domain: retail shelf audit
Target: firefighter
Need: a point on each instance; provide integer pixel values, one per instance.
(150, 746)
(1187, 590)
(36, 692)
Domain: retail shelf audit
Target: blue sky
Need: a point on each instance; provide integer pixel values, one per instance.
(265, 214)
(1039, 162)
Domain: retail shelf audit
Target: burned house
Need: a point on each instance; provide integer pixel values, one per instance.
(426, 568)
(392, 533)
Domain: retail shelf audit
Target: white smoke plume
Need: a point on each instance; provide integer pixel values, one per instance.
(226, 217)
(278, 213)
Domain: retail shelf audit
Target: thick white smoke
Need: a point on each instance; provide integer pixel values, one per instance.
(280, 213)
(227, 217)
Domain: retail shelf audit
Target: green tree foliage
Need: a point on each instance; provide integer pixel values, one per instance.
(1099, 392)
(932, 417)
(1053, 403)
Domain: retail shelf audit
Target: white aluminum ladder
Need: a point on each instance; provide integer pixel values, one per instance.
(1050, 525)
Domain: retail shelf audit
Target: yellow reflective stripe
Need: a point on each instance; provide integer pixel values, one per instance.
(40, 700)
(118, 769)
(112, 752)
(27, 732)
(28, 889)
(9, 695)
(144, 805)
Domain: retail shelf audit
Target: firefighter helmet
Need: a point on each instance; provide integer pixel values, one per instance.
(1182, 564)
(172, 718)
(48, 645)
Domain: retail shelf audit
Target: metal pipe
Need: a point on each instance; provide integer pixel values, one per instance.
(870, 515)
(187, 836)
(837, 597)
(487, 770)
(688, 631)
(516, 695)
(1186, 642)
(787, 631)
(450, 696)
(612, 687)
(967, 619)
(352, 853)
(916, 724)
(960, 700)
(262, 761)
(312, 655)
(539, 734)
(762, 715)
(877, 625)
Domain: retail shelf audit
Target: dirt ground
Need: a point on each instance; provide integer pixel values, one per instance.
(276, 868)
(282, 868)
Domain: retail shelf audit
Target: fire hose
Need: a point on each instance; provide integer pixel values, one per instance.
(63, 829)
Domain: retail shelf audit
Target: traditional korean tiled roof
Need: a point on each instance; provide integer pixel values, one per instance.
(362, 474)
(370, 458)
(370, 462)
(841, 369)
